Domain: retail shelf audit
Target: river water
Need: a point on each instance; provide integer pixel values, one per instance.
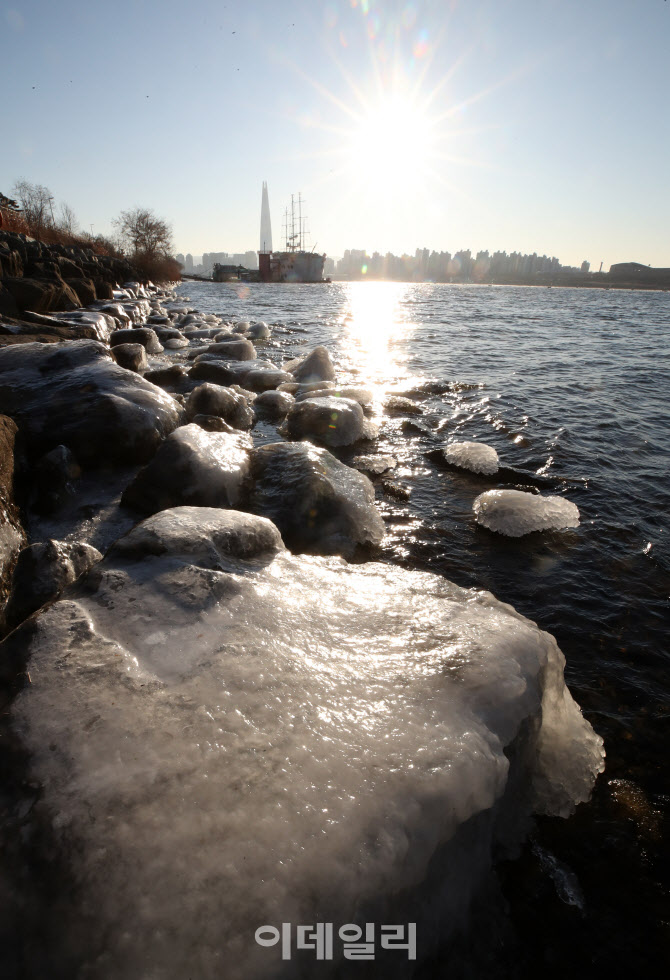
(572, 385)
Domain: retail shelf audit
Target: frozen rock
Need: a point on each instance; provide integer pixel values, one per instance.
(103, 323)
(208, 367)
(233, 350)
(241, 326)
(172, 375)
(132, 357)
(192, 468)
(474, 456)
(361, 395)
(75, 395)
(399, 405)
(175, 343)
(12, 536)
(273, 404)
(214, 423)
(137, 335)
(259, 331)
(42, 571)
(514, 512)
(332, 421)
(52, 479)
(265, 379)
(319, 504)
(317, 366)
(374, 464)
(211, 399)
(225, 735)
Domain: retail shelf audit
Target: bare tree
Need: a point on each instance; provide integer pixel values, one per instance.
(142, 233)
(67, 220)
(37, 204)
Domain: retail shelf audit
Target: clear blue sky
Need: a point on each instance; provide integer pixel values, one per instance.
(530, 125)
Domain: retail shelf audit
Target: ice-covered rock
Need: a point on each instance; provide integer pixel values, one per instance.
(226, 736)
(319, 504)
(273, 404)
(208, 367)
(265, 379)
(233, 350)
(42, 571)
(132, 357)
(316, 366)
(211, 399)
(193, 467)
(137, 335)
(400, 405)
(332, 421)
(75, 395)
(374, 464)
(361, 395)
(515, 512)
(474, 456)
(258, 331)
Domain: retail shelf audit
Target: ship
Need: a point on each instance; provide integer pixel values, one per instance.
(295, 263)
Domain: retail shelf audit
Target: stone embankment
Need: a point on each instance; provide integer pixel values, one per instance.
(41, 278)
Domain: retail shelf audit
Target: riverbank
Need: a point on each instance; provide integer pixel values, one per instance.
(203, 430)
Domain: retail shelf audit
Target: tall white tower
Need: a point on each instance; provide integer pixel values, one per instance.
(266, 225)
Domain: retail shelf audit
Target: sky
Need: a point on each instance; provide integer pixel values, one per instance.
(519, 125)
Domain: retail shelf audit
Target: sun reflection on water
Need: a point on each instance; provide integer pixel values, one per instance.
(375, 320)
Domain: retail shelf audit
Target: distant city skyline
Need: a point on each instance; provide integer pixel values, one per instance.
(537, 125)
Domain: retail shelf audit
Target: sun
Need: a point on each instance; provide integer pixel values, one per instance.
(390, 144)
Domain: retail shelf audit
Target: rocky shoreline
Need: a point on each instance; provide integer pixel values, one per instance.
(166, 656)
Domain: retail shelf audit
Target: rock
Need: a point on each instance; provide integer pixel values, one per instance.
(224, 733)
(376, 465)
(132, 357)
(233, 350)
(75, 395)
(474, 456)
(317, 366)
(399, 405)
(12, 536)
(41, 295)
(192, 468)
(52, 479)
(8, 305)
(319, 504)
(515, 512)
(213, 423)
(259, 331)
(332, 421)
(84, 290)
(211, 399)
(42, 572)
(172, 375)
(273, 404)
(261, 379)
(208, 368)
(175, 343)
(137, 335)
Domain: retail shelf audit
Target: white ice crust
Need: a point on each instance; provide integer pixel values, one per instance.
(229, 735)
(514, 512)
(474, 456)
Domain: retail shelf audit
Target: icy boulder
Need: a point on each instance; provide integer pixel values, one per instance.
(319, 504)
(474, 456)
(137, 335)
(211, 399)
(514, 512)
(227, 736)
(332, 421)
(317, 366)
(75, 395)
(192, 467)
(273, 404)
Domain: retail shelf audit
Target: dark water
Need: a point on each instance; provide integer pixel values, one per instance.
(573, 386)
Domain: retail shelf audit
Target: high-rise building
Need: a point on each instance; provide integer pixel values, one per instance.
(266, 225)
